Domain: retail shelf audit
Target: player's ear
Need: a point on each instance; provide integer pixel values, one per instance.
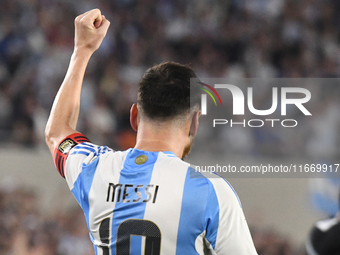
(194, 123)
(134, 117)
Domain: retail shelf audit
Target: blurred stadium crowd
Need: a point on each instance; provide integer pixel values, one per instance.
(25, 231)
(218, 38)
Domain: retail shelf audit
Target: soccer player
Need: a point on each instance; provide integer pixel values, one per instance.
(324, 236)
(145, 200)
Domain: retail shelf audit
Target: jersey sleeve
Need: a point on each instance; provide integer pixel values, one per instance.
(62, 151)
(227, 230)
(74, 153)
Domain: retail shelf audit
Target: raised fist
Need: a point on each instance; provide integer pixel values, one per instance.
(90, 30)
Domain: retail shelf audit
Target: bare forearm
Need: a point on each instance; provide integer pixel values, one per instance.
(90, 30)
(67, 102)
(65, 110)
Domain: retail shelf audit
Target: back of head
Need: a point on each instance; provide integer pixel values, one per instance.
(164, 92)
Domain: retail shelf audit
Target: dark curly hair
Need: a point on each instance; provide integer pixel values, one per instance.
(164, 91)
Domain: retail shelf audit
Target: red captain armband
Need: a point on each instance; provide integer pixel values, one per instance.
(62, 150)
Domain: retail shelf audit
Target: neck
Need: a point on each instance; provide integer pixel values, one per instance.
(161, 137)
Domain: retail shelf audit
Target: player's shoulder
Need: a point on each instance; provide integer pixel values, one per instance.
(88, 148)
(217, 185)
(210, 178)
(88, 153)
(87, 158)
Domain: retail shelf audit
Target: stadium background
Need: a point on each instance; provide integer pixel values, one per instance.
(219, 38)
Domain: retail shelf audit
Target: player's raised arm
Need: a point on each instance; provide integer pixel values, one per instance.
(90, 30)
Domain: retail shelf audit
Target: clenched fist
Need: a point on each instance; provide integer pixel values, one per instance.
(90, 30)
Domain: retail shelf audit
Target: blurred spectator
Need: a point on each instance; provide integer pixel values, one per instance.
(24, 230)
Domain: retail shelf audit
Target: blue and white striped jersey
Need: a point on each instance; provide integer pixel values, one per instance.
(142, 202)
